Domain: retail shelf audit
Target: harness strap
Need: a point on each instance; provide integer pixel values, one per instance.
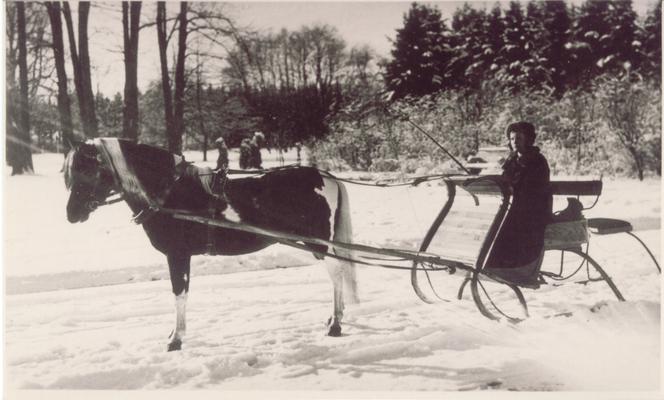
(292, 239)
(217, 204)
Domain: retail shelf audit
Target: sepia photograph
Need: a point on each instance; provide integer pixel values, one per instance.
(332, 199)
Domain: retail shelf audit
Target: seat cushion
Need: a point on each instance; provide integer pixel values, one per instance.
(565, 235)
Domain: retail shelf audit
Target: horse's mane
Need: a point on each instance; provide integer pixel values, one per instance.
(143, 172)
(68, 164)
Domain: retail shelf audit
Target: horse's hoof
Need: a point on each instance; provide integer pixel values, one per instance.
(334, 331)
(175, 345)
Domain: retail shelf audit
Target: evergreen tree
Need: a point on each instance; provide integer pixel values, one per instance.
(419, 54)
(619, 42)
(495, 33)
(650, 38)
(514, 51)
(469, 42)
(603, 38)
(589, 30)
(535, 71)
(556, 24)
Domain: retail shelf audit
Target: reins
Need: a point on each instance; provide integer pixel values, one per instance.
(413, 181)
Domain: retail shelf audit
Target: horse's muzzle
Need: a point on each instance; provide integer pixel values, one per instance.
(77, 214)
(77, 218)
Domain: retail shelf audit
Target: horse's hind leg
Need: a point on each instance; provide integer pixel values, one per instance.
(334, 323)
(179, 267)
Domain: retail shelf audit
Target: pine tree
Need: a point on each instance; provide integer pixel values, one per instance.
(514, 52)
(619, 41)
(650, 38)
(556, 23)
(470, 61)
(418, 54)
(535, 71)
(495, 33)
(589, 32)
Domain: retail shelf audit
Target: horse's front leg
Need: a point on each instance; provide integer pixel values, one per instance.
(179, 267)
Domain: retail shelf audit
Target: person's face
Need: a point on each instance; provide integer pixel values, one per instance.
(518, 141)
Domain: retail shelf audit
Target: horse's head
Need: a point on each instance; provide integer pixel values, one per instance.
(89, 182)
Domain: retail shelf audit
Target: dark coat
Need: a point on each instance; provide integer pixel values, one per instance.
(255, 151)
(245, 154)
(521, 238)
(222, 160)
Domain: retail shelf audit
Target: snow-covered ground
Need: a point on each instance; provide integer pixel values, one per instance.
(89, 306)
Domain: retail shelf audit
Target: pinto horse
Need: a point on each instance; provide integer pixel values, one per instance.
(299, 200)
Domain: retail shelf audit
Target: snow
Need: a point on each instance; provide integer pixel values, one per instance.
(89, 306)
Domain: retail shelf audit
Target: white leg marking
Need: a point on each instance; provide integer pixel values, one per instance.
(232, 215)
(336, 275)
(180, 316)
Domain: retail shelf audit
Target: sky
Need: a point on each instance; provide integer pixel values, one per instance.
(372, 23)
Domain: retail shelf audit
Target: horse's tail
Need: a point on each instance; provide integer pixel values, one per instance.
(343, 232)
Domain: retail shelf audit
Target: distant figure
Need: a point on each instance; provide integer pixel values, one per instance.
(222, 159)
(298, 148)
(520, 242)
(255, 160)
(245, 154)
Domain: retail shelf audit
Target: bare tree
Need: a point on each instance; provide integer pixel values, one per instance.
(81, 65)
(175, 141)
(131, 15)
(162, 39)
(64, 104)
(19, 155)
(205, 23)
(199, 107)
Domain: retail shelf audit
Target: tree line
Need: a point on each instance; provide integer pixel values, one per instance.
(546, 44)
(305, 85)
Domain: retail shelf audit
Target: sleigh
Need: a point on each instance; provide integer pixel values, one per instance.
(467, 227)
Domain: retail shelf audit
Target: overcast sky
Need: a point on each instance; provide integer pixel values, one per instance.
(358, 23)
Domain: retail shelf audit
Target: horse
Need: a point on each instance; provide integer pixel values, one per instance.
(296, 200)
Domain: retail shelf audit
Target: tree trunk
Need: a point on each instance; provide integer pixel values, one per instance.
(638, 161)
(165, 80)
(90, 122)
(175, 142)
(74, 57)
(22, 157)
(81, 65)
(130, 25)
(201, 123)
(64, 104)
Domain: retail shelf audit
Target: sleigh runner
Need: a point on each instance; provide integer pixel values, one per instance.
(459, 240)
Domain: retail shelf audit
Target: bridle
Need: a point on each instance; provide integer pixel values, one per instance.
(95, 181)
(94, 204)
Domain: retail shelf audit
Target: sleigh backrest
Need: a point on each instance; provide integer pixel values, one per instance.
(467, 226)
